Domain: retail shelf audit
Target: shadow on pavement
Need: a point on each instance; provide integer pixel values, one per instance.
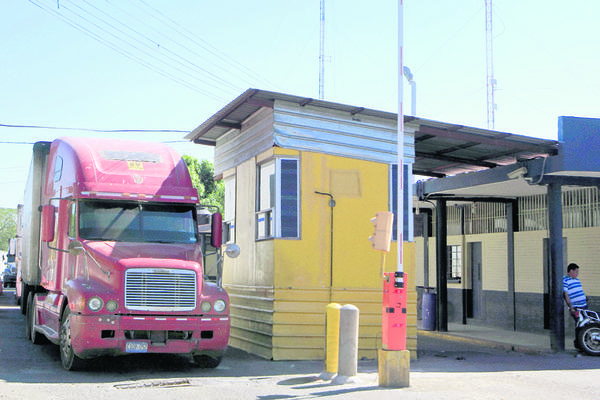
(21, 361)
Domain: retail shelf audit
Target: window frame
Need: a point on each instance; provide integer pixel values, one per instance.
(264, 216)
(454, 263)
(230, 208)
(278, 211)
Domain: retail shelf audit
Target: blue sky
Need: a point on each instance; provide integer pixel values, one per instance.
(169, 65)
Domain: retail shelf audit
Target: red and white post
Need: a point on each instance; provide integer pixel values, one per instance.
(394, 358)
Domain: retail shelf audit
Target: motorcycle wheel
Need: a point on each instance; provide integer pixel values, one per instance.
(589, 339)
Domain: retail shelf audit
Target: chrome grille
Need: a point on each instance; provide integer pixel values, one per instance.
(155, 289)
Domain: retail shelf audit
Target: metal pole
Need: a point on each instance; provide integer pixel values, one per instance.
(400, 194)
(441, 242)
(331, 205)
(394, 364)
(557, 316)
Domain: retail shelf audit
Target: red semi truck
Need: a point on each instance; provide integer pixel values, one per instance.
(112, 256)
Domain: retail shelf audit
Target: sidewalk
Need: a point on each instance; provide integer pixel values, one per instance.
(525, 342)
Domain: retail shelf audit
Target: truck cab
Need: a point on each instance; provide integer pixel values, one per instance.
(121, 267)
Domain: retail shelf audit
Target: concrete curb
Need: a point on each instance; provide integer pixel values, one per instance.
(484, 342)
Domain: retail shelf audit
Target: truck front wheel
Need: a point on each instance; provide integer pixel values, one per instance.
(69, 359)
(205, 361)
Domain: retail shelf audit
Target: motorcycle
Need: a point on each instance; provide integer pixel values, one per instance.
(587, 332)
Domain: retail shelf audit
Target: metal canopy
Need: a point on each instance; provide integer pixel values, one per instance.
(441, 149)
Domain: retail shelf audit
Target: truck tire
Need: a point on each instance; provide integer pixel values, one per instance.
(204, 361)
(34, 336)
(588, 338)
(70, 361)
(24, 294)
(29, 300)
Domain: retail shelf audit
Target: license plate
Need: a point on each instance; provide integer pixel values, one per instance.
(136, 347)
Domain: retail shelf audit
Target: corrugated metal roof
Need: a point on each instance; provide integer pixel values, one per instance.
(441, 149)
(444, 149)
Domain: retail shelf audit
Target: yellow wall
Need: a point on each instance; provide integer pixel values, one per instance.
(583, 249)
(279, 288)
(495, 262)
(529, 261)
(355, 263)
(582, 245)
(303, 267)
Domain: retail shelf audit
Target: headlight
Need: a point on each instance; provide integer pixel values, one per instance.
(206, 307)
(220, 306)
(111, 306)
(95, 304)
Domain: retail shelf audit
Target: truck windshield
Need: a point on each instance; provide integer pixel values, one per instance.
(136, 222)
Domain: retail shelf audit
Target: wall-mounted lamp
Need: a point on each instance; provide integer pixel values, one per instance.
(413, 89)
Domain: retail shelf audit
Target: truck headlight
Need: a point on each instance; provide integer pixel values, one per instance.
(95, 304)
(111, 306)
(220, 306)
(206, 307)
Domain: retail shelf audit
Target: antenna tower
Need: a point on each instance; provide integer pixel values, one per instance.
(490, 81)
(322, 54)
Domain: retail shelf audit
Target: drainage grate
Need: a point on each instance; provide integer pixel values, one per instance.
(141, 385)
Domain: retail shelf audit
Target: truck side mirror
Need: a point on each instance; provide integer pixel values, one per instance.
(216, 230)
(48, 220)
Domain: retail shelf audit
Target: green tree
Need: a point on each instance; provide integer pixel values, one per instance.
(8, 226)
(211, 192)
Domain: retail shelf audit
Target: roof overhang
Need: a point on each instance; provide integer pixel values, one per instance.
(441, 149)
(236, 112)
(524, 178)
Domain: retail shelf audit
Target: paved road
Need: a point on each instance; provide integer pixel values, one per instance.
(444, 370)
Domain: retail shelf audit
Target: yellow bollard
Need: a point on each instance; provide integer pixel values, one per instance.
(332, 345)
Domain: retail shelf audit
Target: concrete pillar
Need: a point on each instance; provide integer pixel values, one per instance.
(394, 368)
(348, 357)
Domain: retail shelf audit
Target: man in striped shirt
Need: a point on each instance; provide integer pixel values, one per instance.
(573, 291)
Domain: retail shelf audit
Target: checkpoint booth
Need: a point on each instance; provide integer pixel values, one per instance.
(303, 178)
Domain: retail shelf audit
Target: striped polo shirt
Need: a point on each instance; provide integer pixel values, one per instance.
(575, 291)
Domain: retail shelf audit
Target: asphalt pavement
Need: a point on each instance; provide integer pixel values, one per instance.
(488, 364)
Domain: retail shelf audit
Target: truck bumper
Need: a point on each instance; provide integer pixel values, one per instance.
(93, 336)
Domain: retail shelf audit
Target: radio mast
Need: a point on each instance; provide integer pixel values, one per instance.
(490, 81)
(322, 54)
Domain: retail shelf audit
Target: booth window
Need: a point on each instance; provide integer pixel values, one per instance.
(277, 199)
(454, 263)
(229, 212)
